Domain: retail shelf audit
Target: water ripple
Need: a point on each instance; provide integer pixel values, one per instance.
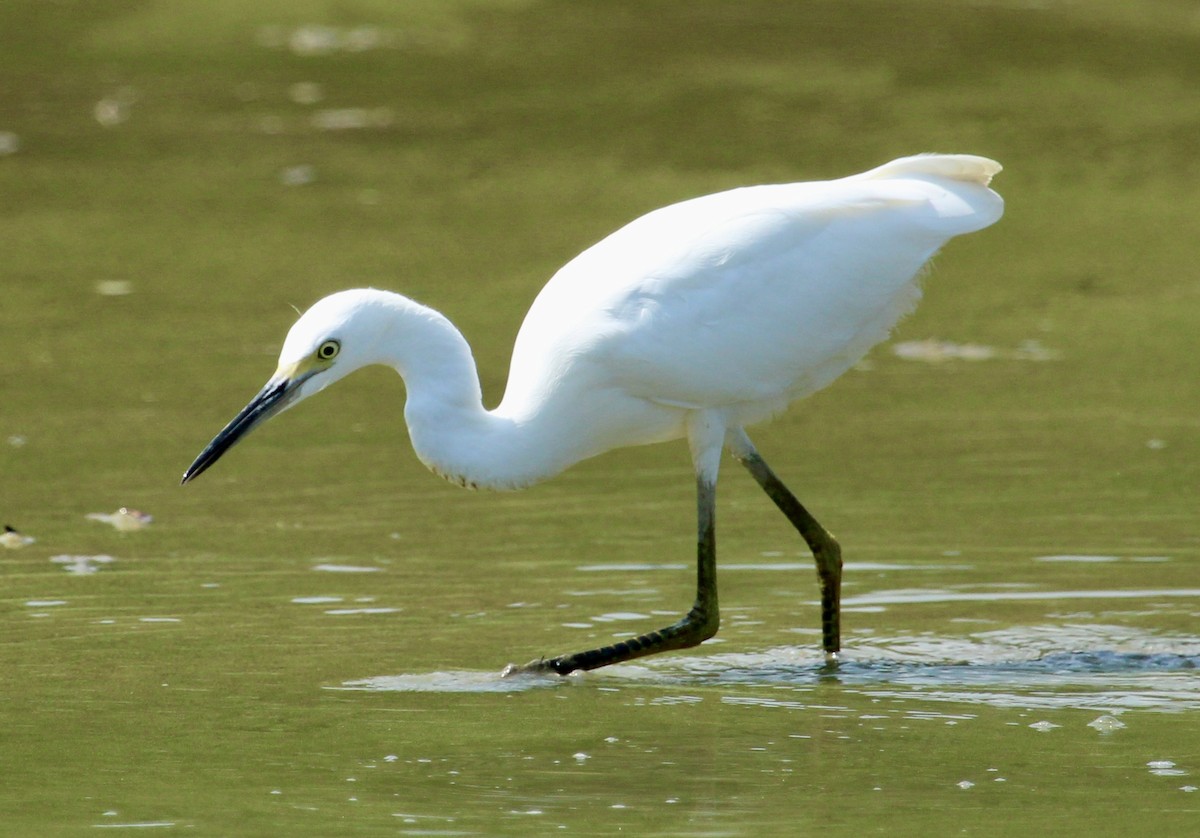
(1083, 667)
(1093, 667)
(451, 682)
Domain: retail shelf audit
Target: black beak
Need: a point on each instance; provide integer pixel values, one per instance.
(271, 399)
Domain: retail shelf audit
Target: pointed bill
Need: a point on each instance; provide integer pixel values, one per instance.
(278, 393)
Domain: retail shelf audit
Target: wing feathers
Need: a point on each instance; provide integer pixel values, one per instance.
(961, 167)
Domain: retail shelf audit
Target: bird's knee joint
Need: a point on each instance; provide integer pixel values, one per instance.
(828, 554)
(702, 624)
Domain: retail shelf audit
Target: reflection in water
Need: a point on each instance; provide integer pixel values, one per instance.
(786, 567)
(341, 612)
(82, 565)
(1109, 669)
(456, 682)
(1105, 667)
(925, 595)
(344, 568)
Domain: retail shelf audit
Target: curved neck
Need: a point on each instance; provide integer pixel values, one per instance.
(451, 432)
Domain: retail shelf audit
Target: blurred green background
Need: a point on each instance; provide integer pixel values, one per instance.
(187, 149)
(177, 177)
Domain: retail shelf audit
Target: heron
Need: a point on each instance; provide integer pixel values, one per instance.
(694, 321)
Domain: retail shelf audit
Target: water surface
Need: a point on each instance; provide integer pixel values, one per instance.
(308, 640)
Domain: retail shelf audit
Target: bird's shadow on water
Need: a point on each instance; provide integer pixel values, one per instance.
(1001, 669)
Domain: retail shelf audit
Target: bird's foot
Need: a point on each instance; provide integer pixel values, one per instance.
(831, 667)
(541, 666)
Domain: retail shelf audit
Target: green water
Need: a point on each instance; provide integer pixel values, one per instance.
(307, 640)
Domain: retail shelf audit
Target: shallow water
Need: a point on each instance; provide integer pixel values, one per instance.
(308, 640)
(248, 699)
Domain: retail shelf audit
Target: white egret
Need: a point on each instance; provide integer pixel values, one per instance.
(694, 321)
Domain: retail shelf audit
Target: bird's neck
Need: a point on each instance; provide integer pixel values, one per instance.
(451, 431)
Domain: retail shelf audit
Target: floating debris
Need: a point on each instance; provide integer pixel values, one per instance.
(1043, 727)
(124, 519)
(109, 112)
(1106, 723)
(301, 175)
(934, 351)
(113, 110)
(1165, 768)
(17, 440)
(349, 119)
(14, 540)
(10, 143)
(82, 565)
(344, 568)
(114, 287)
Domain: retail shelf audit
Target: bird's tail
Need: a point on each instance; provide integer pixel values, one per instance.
(956, 190)
(966, 168)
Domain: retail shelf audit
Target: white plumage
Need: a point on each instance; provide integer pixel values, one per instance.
(695, 320)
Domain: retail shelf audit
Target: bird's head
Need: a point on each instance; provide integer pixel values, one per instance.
(338, 335)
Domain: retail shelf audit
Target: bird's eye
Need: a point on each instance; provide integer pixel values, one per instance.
(328, 350)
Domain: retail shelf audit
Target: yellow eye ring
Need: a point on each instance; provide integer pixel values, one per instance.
(328, 350)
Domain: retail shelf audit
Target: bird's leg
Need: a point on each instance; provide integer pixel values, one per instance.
(699, 624)
(825, 549)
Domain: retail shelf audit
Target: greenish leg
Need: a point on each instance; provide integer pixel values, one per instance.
(697, 626)
(825, 549)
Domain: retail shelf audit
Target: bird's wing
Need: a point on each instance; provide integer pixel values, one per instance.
(752, 296)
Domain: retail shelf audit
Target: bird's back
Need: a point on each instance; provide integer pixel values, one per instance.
(747, 299)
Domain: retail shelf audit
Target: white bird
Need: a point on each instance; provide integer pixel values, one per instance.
(694, 321)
